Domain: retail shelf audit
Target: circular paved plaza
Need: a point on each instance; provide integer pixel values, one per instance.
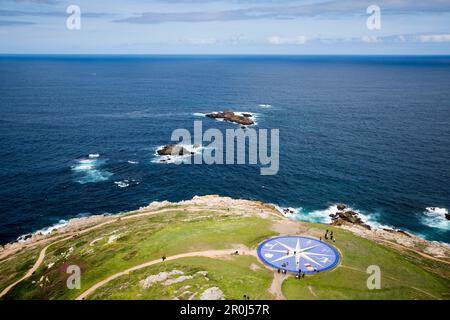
(296, 253)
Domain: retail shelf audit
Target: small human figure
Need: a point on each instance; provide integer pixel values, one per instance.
(321, 239)
(163, 258)
(279, 270)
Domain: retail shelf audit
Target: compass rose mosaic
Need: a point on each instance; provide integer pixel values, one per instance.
(295, 253)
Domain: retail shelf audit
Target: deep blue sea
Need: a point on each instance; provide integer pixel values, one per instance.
(372, 132)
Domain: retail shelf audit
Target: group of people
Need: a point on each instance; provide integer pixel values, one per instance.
(299, 275)
(284, 271)
(329, 234)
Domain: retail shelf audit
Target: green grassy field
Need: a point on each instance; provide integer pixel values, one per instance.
(401, 276)
(126, 243)
(233, 276)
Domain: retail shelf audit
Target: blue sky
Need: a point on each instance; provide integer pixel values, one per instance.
(225, 27)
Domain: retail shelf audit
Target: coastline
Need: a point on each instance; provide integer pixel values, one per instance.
(394, 238)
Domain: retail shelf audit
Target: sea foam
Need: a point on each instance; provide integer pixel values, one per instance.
(177, 159)
(89, 170)
(435, 218)
(323, 216)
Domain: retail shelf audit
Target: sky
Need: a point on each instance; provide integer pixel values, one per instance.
(226, 27)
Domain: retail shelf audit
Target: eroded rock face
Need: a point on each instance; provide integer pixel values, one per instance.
(245, 119)
(173, 150)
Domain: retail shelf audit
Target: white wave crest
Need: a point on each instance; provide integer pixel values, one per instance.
(436, 218)
(89, 170)
(44, 231)
(323, 216)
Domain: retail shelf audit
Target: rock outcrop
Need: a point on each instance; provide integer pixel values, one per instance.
(173, 150)
(245, 119)
(346, 217)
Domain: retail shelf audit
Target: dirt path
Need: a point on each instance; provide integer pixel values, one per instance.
(392, 278)
(401, 247)
(36, 265)
(275, 287)
(6, 254)
(69, 235)
(311, 290)
(208, 254)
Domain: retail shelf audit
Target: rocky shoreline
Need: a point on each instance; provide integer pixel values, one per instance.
(343, 218)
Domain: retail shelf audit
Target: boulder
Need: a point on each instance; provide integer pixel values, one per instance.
(447, 216)
(341, 206)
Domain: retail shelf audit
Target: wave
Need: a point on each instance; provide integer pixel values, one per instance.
(265, 105)
(323, 216)
(133, 162)
(89, 170)
(435, 218)
(126, 183)
(44, 231)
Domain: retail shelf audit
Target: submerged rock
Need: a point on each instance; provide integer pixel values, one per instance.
(245, 119)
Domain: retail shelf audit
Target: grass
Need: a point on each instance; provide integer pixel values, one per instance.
(15, 267)
(401, 276)
(143, 240)
(404, 275)
(233, 276)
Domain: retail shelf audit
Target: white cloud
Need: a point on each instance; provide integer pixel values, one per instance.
(434, 38)
(198, 41)
(276, 40)
(401, 38)
(370, 39)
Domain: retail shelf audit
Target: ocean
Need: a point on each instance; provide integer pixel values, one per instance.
(78, 135)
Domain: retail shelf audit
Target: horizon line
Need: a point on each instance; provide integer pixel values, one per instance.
(234, 54)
